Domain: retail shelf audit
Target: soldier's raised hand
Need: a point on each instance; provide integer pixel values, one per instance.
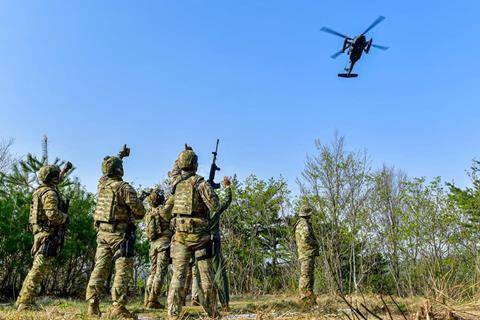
(227, 182)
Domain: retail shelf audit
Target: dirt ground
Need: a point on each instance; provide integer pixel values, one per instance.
(264, 307)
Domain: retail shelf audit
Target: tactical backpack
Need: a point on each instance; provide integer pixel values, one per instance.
(152, 225)
(110, 208)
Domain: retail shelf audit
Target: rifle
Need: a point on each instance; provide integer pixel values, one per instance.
(214, 168)
(144, 195)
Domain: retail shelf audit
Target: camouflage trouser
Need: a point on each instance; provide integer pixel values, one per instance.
(192, 283)
(221, 279)
(181, 256)
(31, 284)
(108, 243)
(159, 261)
(307, 269)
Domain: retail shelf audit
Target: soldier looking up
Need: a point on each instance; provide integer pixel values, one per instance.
(307, 249)
(47, 213)
(158, 232)
(117, 208)
(194, 200)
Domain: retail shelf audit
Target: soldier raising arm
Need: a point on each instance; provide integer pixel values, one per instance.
(117, 207)
(193, 201)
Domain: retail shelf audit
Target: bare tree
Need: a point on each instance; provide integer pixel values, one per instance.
(6, 158)
(337, 182)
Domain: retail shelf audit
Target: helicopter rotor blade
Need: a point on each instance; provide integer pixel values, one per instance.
(374, 23)
(380, 47)
(328, 30)
(336, 55)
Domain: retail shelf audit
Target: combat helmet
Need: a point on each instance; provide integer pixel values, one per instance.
(305, 211)
(156, 197)
(46, 173)
(110, 165)
(188, 160)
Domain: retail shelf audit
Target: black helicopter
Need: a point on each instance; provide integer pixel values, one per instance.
(356, 46)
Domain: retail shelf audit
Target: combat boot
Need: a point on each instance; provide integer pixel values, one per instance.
(94, 309)
(226, 308)
(119, 311)
(309, 298)
(154, 305)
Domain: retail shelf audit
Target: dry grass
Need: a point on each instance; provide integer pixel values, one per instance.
(265, 307)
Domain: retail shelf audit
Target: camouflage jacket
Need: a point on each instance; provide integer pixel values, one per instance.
(45, 208)
(307, 244)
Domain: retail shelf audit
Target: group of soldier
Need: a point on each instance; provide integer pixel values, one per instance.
(183, 230)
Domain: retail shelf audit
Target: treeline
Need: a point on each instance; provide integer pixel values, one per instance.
(380, 231)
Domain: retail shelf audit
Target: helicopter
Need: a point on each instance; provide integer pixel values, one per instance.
(356, 47)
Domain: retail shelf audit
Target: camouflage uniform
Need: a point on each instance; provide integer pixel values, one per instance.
(219, 265)
(192, 285)
(158, 218)
(194, 199)
(307, 248)
(45, 215)
(117, 207)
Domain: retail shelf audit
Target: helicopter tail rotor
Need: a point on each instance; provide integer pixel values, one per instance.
(374, 23)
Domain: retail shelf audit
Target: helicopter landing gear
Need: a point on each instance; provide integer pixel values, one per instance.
(348, 75)
(369, 44)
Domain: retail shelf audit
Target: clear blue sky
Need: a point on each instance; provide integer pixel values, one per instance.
(257, 74)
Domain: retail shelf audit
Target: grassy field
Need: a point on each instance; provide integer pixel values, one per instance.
(268, 307)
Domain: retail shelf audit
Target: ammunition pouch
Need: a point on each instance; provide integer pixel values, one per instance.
(190, 225)
(127, 249)
(120, 227)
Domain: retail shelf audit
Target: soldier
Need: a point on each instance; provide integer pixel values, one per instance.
(193, 200)
(48, 212)
(117, 208)
(157, 229)
(307, 248)
(219, 264)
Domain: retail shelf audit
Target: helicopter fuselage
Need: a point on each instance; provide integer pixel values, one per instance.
(357, 46)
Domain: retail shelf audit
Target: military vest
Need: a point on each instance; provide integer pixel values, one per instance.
(187, 198)
(37, 213)
(110, 206)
